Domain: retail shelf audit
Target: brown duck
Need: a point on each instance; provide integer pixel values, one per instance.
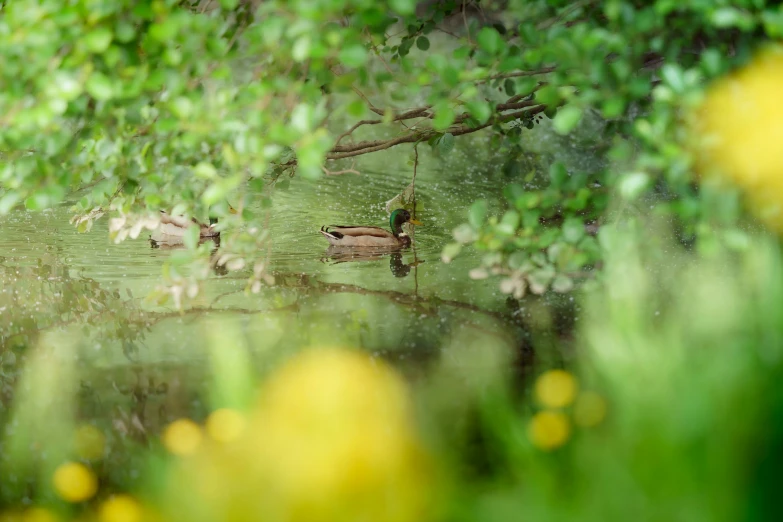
(366, 236)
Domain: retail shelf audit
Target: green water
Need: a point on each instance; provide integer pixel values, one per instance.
(140, 366)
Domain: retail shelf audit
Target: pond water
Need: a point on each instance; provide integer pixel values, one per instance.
(138, 366)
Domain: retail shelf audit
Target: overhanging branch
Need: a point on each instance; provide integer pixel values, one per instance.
(527, 109)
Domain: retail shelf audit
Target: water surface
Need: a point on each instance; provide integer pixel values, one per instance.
(141, 365)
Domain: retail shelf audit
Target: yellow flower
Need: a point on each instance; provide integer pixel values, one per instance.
(589, 409)
(556, 389)
(182, 437)
(225, 425)
(75, 482)
(89, 442)
(121, 508)
(739, 128)
(332, 438)
(549, 429)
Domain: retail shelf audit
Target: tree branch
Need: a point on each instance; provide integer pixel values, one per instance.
(518, 74)
(413, 113)
(366, 147)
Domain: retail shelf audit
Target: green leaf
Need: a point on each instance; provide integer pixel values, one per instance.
(519, 260)
(633, 185)
(302, 117)
(489, 40)
(477, 214)
(68, 86)
(205, 170)
(712, 61)
(450, 251)
(562, 284)
(99, 86)
(480, 110)
(403, 7)
(558, 174)
(301, 50)
(548, 95)
(508, 223)
(181, 107)
(613, 107)
(673, 76)
(191, 237)
(357, 108)
(353, 56)
(464, 234)
(98, 40)
(573, 229)
(444, 144)
(444, 115)
(566, 119)
(9, 201)
(214, 193)
(423, 43)
(731, 17)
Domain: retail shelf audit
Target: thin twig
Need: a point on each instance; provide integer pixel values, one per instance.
(465, 19)
(413, 113)
(413, 181)
(339, 172)
(518, 74)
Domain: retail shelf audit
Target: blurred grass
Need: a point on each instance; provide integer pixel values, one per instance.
(670, 410)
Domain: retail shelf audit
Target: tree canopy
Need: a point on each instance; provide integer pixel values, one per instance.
(185, 106)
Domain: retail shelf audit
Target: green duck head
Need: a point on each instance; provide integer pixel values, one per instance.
(397, 218)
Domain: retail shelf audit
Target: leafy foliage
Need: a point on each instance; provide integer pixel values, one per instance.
(138, 106)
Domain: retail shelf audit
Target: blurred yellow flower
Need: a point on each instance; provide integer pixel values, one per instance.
(38, 514)
(332, 438)
(549, 429)
(182, 437)
(739, 128)
(225, 425)
(75, 482)
(121, 508)
(89, 442)
(589, 409)
(556, 389)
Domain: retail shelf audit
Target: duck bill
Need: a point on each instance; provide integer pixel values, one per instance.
(415, 222)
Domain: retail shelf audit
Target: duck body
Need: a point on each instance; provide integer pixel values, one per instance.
(367, 236)
(171, 230)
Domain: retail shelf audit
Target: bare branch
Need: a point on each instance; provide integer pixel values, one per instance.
(365, 147)
(519, 74)
(339, 172)
(413, 113)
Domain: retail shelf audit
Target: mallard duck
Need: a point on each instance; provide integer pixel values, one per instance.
(172, 228)
(359, 236)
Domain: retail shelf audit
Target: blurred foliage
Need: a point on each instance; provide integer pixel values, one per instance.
(672, 412)
(182, 106)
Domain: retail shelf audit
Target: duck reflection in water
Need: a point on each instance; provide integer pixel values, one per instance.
(342, 254)
(179, 245)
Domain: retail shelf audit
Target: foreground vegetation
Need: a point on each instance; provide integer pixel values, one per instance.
(672, 412)
(666, 405)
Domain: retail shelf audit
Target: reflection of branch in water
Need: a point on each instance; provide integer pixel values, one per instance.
(401, 298)
(413, 231)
